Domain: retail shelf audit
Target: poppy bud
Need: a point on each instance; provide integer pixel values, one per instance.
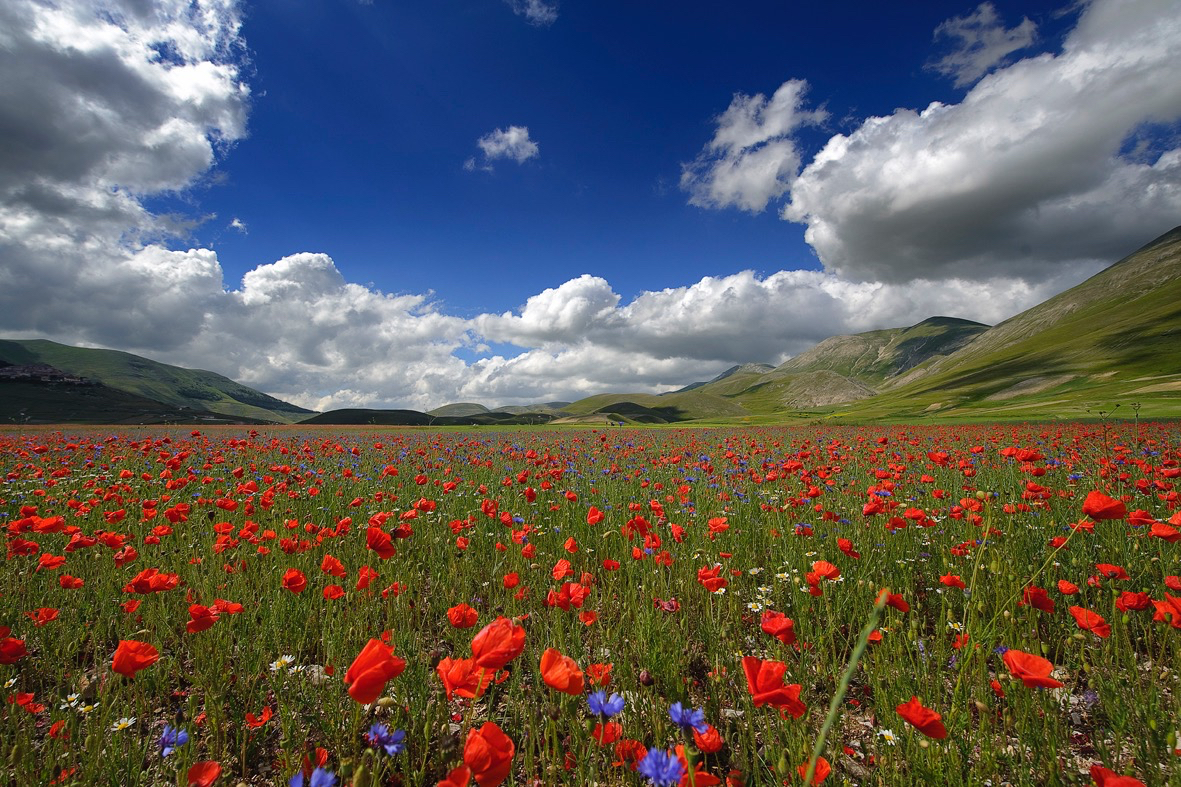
(646, 678)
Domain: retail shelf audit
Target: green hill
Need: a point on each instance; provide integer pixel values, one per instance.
(1113, 340)
(178, 388)
(841, 369)
(358, 416)
(658, 408)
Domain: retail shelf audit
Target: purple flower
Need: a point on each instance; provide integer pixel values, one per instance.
(172, 739)
(688, 718)
(320, 778)
(602, 705)
(380, 737)
(661, 768)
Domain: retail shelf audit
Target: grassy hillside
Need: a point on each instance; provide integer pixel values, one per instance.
(652, 408)
(1113, 340)
(876, 357)
(159, 382)
(26, 402)
(358, 417)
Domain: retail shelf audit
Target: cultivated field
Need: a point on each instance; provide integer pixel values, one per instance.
(953, 605)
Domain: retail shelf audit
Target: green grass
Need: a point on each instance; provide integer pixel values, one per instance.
(1119, 706)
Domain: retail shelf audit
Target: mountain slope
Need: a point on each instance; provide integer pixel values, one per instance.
(1113, 339)
(843, 369)
(875, 357)
(169, 385)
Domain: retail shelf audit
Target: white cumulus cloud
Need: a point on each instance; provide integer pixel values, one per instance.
(510, 143)
(1022, 176)
(962, 210)
(980, 41)
(752, 158)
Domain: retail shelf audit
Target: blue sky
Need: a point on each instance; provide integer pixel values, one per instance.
(364, 115)
(407, 204)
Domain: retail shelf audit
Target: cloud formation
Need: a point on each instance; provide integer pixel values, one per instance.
(752, 158)
(504, 143)
(537, 12)
(980, 41)
(958, 210)
(1022, 176)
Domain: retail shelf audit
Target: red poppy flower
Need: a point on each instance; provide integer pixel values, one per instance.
(629, 752)
(365, 576)
(846, 546)
(952, 581)
(599, 674)
(203, 774)
(1037, 598)
(562, 570)
(1105, 777)
(1111, 571)
(42, 615)
(201, 618)
(462, 677)
(380, 542)
(333, 592)
(48, 562)
(1032, 670)
(594, 516)
(823, 769)
(458, 777)
(764, 680)
(254, 722)
(606, 734)
(294, 580)
(1067, 588)
(1133, 602)
(333, 567)
(700, 778)
(374, 666)
(710, 741)
(1167, 611)
(1099, 506)
(779, 626)
(1091, 621)
(896, 601)
(561, 672)
(498, 643)
(1167, 532)
(462, 616)
(923, 719)
(132, 656)
(489, 754)
(826, 570)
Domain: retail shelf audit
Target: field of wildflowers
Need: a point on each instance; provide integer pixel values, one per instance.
(895, 605)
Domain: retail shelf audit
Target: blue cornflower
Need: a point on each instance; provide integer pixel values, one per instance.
(320, 778)
(172, 739)
(661, 768)
(380, 737)
(602, 705)
(687, 718)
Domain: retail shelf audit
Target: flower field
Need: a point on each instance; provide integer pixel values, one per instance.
(894, 605)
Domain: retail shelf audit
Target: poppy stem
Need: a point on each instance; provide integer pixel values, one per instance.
(834, 707)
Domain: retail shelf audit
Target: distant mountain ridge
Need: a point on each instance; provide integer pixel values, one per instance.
(157, 390)
(1112, 340)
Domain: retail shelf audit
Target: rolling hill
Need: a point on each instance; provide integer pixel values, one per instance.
(1113, 340)
(188, 393)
